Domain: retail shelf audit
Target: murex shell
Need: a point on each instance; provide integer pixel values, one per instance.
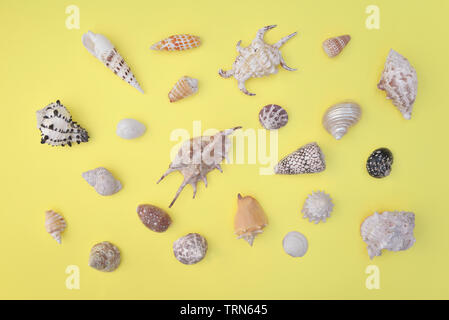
(317, 207)
(153, 218)
(185, 87)
(307, 159)
(389, 230)
(130, 129)
(101, 48)
(400, 82)
(190, 249)
(340, 117)
(295, 244)
(197, 157)
(273, 117)
(178, 42)
(379, 163)
(103, 181)
(104, 256)
(57, 128)
(334, 46)
(54, 224)
(257, 60)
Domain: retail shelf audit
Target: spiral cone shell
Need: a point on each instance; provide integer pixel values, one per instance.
(340, 117)
(54, 224)
(334, 46)
(185, 87)
(178, 42)
(101, 48)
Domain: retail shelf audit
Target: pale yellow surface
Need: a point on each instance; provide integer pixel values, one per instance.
(42, 61)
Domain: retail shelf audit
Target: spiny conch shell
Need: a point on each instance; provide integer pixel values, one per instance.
(54, 224)
(400, 82)
(130, 129)
(57, 128)
(185, 87)
(101, 48)
(295, 244)
(178, 42)
(333, 46)
(340, 117)
(389, 230)
(317, 207)
(307, 159)
(257, 60)
(104, 256)
(250, 219)
(190, 249)
(197, 157)
(103, 181)
(273, 117)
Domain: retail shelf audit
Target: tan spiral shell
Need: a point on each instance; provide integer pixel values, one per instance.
(185, 87)
(334, 46)
(338, 118)
(54, 224)
(104, 256)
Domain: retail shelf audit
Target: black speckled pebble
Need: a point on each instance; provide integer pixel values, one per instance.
(379, 163)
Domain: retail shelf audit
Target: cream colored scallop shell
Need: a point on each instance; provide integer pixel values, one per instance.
(295, 244)
(317, 207)
(340, 117)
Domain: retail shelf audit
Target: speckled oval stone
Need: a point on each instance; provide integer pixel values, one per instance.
(379, 163)
(273, 117)
(153, 217)
(190, 249)
(104, 256)
(130, 129)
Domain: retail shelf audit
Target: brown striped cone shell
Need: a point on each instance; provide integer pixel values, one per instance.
(153, 218)
(340, 117)
(257, 60)
(185, 87)
(54, 224)
(400, 82)
(103, 181)
(273, 117)
(250, 219)
(307, 159)
(57, 127)
(104, 256)
(177, 42)
(190, 249)
(197, 157)
(333, 46)
(101, 48)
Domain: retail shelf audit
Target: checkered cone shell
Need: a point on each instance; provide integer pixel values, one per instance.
(307, 159)
(178, 42)
(185, 87)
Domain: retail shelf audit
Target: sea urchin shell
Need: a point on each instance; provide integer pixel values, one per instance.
(317, 207)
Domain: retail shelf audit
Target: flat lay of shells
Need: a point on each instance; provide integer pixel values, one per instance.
(196, 157)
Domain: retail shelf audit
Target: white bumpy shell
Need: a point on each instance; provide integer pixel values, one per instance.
(389, 230)
(340, 117)
(103, 181)
(317, 207)
(400, 82)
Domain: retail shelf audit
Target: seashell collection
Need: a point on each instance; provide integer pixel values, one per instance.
(400, 82)
(392, 231)
(340, 117)
(57, 127)
(250, 219)
(257, 60)
(273, 117)
(200, 155)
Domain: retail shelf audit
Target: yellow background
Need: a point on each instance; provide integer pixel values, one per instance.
(42, 61)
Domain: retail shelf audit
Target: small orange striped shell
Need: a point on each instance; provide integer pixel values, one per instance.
(185, 87)
(333, 46)
(54, 224)
(178, 42)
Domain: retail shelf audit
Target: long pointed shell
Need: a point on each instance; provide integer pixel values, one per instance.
(400, 82)
(307, 159)
(177, 42)
(250, 219)
(185, 87)
(57, 128)
(334, 46)
(338, 118)
(54, 224)
(103, 181)
(101, 48)
(317, 207)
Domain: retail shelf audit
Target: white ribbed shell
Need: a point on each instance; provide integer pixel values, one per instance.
(185, 87)
(295, 244)
(317, 207)
(338, 118)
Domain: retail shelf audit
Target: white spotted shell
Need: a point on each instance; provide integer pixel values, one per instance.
(317, 207)
(273, 117)
(307, 159)
(340, 117)
(130, 129)
(295, 244)
(103, 181)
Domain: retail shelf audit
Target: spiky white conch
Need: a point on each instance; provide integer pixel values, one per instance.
(197, 157)
(317, 207)
(257, 60)
(101, 48)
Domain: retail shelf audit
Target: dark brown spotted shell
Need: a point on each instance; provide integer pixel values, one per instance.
(273, 117)
(153, 217)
